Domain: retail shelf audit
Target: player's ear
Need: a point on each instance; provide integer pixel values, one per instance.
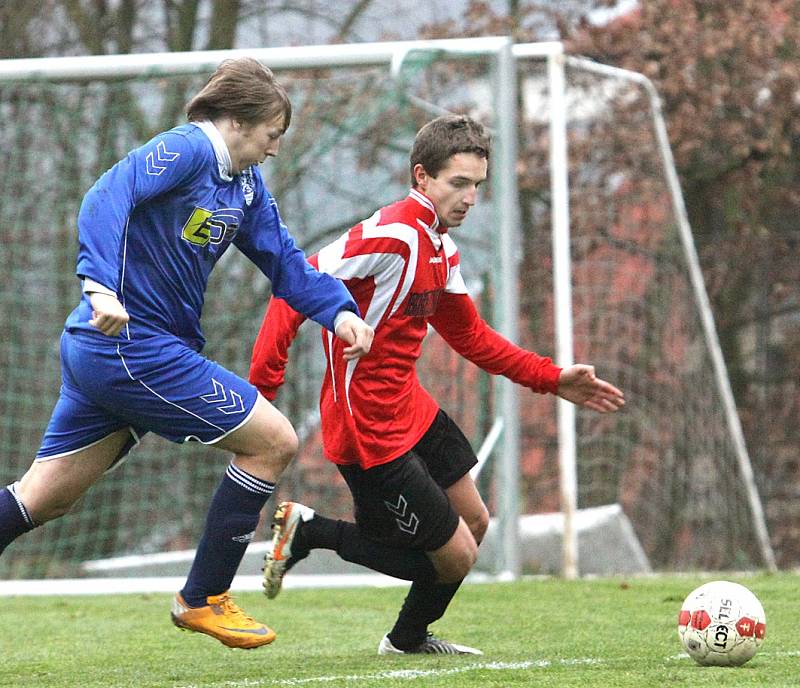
(420, 175)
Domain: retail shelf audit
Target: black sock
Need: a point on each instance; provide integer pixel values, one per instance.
(346, 540)
(424, 604)
(14, 518)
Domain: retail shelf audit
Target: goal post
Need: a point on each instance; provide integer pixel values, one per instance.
(530, 249)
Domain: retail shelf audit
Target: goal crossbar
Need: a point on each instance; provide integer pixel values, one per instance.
(278, 59)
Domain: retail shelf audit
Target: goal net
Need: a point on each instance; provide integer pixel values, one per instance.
(667, 459)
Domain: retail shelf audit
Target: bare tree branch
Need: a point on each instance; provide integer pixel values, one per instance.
(224, 21)
(351, 18)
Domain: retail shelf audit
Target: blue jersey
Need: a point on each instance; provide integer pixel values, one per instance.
(152, 228)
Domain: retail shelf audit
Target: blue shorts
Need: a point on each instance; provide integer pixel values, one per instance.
(153, 384)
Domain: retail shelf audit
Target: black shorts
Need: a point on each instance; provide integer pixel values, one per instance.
(403, 503)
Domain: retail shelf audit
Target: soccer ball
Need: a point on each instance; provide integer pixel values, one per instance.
(721, 624)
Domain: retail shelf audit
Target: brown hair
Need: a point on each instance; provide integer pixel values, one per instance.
(442, 138)
(243, 89)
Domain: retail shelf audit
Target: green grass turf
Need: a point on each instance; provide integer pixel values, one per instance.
(594, 633)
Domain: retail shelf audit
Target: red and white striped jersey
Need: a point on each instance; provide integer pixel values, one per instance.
(403, 270)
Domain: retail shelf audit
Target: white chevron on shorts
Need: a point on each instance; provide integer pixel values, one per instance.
(230, 404)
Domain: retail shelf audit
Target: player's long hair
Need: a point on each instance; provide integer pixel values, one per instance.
(243, 89)
(444, 137)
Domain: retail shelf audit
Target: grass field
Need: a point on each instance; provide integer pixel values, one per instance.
(590, 633)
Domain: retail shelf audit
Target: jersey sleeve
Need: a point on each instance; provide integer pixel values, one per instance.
(268, 244)
(165, 162)
(461, 326)
(271, 348)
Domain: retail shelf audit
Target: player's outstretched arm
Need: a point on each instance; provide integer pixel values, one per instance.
(108, 314)
(582, 387)
(356, 333)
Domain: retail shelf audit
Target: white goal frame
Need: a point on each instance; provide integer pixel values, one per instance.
(504, 56)
(563, 297)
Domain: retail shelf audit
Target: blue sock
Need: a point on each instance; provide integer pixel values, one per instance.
(230, 525)
(14, 518)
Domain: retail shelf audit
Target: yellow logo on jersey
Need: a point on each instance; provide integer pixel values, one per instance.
(197, 229)
(205, 227)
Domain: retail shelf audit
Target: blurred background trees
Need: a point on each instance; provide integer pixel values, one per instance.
(729, 76)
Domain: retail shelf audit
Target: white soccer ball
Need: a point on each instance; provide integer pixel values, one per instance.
(721, 624)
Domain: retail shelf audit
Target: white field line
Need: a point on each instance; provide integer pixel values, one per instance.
(435, 673)
(398, 674)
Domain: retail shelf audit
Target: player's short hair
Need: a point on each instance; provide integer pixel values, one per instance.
(243, 89)
(446, 136)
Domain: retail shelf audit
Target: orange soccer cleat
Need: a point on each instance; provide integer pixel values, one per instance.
(222, 619)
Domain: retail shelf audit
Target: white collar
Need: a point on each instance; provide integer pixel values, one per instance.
(220, 148)
(432, 230)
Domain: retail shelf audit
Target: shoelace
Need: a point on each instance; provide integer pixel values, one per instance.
(233, 609)
(436, 646)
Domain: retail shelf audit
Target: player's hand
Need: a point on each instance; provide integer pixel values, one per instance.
(108, 314)
(357, 334)
(579, 385)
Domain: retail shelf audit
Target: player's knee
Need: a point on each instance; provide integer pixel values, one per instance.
(283, 444)
(458, 563)
(266, 448)
(478, 524)
(288, 444)
(457, 569)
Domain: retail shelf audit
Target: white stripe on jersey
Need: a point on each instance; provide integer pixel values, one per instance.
(397, 275)
(455, 280)
(330, 338)
(390, 290)
(122, 275)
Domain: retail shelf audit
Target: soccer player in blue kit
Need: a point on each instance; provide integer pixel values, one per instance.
(150, 231)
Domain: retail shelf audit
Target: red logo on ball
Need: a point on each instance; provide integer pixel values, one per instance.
(746, 627)
(701, 619)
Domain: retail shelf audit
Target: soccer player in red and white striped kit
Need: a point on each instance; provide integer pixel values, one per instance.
(418, 514)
